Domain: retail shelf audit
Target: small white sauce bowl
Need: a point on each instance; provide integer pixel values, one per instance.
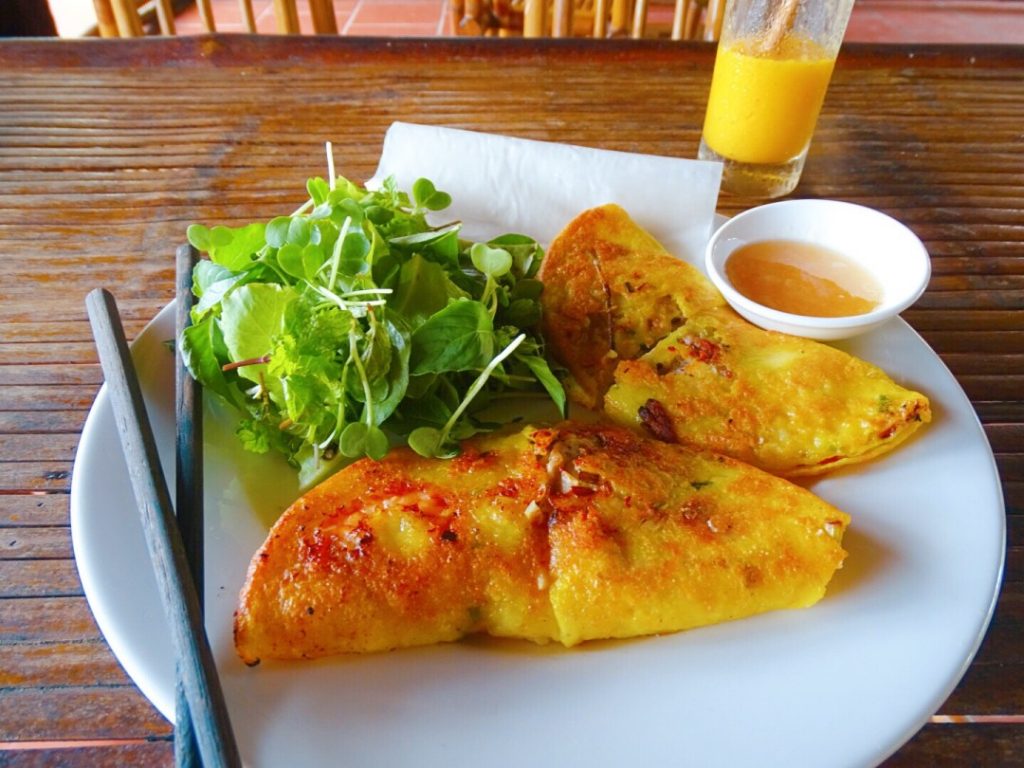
(887, 249)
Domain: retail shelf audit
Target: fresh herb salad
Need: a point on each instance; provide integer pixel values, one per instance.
(353, 324)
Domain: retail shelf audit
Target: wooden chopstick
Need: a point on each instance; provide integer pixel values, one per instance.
(188, 495)
(189, 443)
(202, 686)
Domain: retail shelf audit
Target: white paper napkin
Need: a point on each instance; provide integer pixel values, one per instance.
(501, 184)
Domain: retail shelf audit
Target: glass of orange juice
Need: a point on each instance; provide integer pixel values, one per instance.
(774, 63)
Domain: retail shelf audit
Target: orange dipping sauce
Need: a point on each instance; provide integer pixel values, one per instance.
(802, 279)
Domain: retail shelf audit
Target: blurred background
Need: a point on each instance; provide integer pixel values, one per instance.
(883, 21)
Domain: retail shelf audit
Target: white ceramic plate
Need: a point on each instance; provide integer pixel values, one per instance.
(842, 684)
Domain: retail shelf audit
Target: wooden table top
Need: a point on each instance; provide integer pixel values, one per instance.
(108, 150)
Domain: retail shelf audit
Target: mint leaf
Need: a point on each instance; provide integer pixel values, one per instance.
(540, 368)
(423, 289)
(397, 378)
(202, 350)
(354, 251)
(460, 337)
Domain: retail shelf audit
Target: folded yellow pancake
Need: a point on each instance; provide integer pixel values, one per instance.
(566, 533)
(702, 375)
(787, 405)
(603, 301)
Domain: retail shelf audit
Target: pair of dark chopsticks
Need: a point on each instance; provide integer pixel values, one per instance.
(203, 733)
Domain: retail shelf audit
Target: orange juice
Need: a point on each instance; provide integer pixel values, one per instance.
(764, 103)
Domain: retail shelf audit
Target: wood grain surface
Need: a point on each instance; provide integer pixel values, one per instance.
(108, 150)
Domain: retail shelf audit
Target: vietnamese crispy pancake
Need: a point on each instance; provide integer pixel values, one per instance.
(784, 404)
(562, 534)
(706, 377)
(603, 301)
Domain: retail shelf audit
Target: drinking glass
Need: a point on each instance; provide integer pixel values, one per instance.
(774, 63)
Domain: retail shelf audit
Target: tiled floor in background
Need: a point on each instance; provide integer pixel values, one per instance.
(401, 18)
(920, 21)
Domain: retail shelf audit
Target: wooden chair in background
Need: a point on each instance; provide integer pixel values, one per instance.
(124, 18)
(27, 18)
(690, 19)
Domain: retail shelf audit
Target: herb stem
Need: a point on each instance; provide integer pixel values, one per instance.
(339, 418)
(485, 297)
(336, 254)
(303, 208)
(478, 384)
(332, 179)
(348, 306)
(242, 363)
(369, 292)
(358, 360)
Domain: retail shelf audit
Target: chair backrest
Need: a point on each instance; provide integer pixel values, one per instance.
(124, 18)
(683, 20)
